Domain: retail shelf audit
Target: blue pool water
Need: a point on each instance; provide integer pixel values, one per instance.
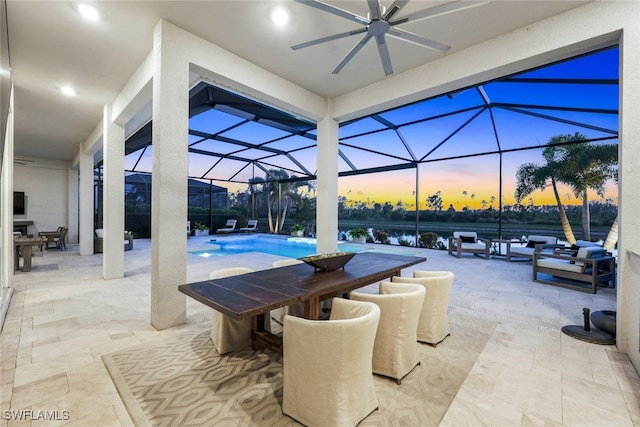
(293, 248)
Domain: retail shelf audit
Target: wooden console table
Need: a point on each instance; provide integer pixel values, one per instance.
(23, 246)
(22, 225)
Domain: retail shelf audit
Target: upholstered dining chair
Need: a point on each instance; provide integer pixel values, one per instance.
(395, 352)
(433, 326)
(229, 334)
(295, 309)
(327, 365)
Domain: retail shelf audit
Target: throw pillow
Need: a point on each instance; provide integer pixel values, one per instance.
(468, 239)
(573, 255)
(533, 243)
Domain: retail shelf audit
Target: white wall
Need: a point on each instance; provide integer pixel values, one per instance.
(46, 187)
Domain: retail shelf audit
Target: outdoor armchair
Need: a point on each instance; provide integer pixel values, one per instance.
(468, 241)
(98, 241)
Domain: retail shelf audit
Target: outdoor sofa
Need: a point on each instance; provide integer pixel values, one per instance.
(98, 241)
(533, 244)
(583, 270)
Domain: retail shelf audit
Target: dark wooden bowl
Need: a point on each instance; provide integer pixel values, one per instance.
(329, 263)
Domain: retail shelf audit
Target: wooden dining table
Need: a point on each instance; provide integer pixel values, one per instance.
(255, 294)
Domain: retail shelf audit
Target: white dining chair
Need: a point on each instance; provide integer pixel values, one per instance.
(327, 364)
(229, 334)
(433, 326)
(395, 352)
(295, 309)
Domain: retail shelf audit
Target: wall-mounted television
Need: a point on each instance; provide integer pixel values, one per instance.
(19, 206)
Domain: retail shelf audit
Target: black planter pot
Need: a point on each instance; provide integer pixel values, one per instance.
(605, 320)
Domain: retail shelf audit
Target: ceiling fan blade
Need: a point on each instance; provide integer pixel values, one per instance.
(352, 53)
(374, 9)
(383, 50)
(419, 40)
(335, 10)
(328, 38)
(395, 8)
(439, 10)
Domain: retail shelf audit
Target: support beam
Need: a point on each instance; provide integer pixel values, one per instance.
(113, 207)
(327, 199)
(169, 179)
(85, 205)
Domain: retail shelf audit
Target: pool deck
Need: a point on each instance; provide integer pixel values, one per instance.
(63, 317)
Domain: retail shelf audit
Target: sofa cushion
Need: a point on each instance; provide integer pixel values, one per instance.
(549, 240)
(522, 250)
(533, 243)
(459, 234)
(590, 252)
(475, 246)
(468, 239)
(560, 264)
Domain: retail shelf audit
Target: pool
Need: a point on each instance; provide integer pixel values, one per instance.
(293, 247)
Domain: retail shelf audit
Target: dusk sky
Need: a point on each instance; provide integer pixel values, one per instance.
(525, 110)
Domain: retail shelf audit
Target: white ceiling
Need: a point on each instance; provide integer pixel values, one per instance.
(51, 45)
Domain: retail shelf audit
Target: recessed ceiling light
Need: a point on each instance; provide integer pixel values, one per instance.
(88, 11)
(68, 90)
(280, 17)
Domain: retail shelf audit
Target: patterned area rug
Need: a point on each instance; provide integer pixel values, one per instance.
(181, 380)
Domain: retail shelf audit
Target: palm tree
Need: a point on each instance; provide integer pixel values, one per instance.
(278, 193)
(586, 166)
(531, 177)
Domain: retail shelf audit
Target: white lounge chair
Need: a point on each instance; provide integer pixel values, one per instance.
(230, 227)
(252, 225)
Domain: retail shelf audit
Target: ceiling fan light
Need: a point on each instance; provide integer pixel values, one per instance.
(68, 90)
(280, 17)
(89, 12)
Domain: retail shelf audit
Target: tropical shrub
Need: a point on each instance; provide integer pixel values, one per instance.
(427, 240)
(404, 242)
(382, 237)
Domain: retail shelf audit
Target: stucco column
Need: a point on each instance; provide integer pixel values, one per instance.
(6, 215)
(113, 207)
(85, 205)
(628, 299)
(169, 179)
(73, 195)
(327, 199)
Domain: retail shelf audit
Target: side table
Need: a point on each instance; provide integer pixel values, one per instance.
(506, 242)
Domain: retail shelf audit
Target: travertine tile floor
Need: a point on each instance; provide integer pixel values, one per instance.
(64, 317)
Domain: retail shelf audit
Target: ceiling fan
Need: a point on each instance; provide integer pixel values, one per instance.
(381, 22)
